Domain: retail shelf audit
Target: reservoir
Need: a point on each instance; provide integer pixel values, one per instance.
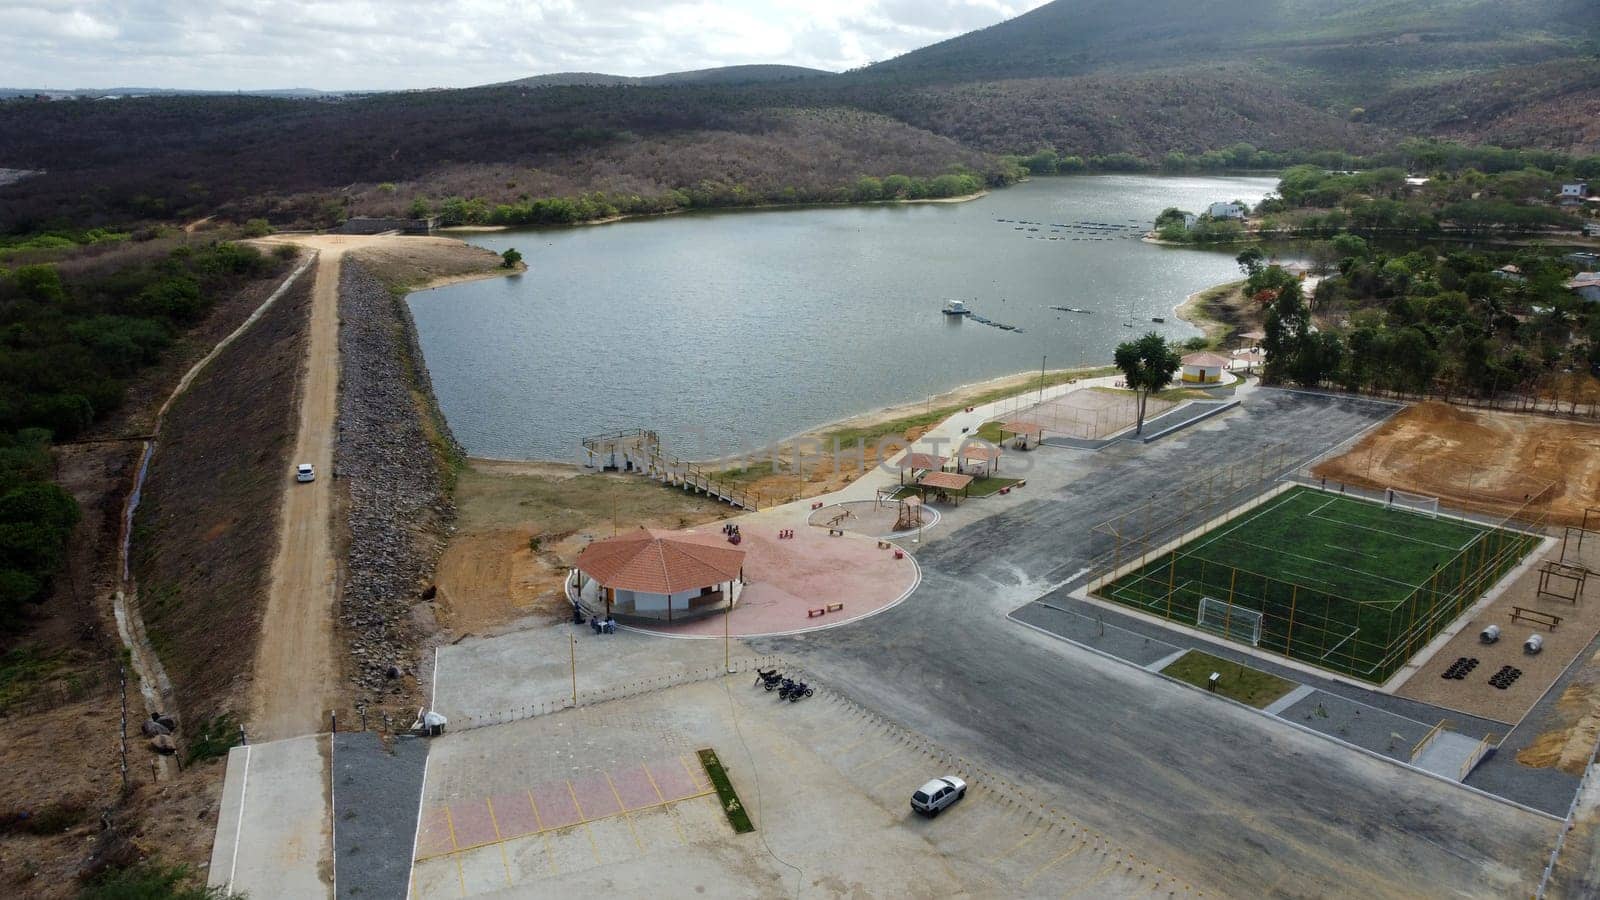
(727, 331)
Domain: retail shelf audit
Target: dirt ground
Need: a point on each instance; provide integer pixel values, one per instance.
(65, 752)
(1473, 694)
(296, 674)
(204, 547)
(1478, 460)
(1223, 313)
(491, 574)
(900, 425)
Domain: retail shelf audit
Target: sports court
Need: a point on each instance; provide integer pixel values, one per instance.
(1345, 583)
(1086, 413)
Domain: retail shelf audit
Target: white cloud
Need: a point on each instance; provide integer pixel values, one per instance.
(371, 44)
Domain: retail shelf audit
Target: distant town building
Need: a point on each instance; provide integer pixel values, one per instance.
(1584, 260)
(1225, 211)
(1587, 286)
(1508, 272)
(1592, 229)
(1579, 190)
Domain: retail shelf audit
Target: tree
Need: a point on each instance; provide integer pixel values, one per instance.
(510, 258)
(1148, 365)
(1250, 261)
(1288, 323)
(41, 283)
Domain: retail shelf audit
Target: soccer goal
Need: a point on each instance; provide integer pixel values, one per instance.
(1236, 623)
(1417, 503)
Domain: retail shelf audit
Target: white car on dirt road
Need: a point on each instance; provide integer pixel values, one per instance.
(933, 797)
(305, 472)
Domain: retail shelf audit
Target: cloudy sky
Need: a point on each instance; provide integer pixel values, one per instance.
(369, 44)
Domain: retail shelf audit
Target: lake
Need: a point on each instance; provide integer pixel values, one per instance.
(728, 331)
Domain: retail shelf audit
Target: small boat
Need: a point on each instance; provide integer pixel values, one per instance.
(1157, 319)
(956, 308)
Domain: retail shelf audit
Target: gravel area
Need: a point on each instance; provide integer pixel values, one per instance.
(375, 792)
(396, 502)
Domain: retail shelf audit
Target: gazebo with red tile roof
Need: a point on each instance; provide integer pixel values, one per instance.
(946, 484)
(921, 462)
(653, 576)
(986, 455)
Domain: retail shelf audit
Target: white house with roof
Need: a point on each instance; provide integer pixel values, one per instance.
(1223, 210)
(1587, 286)
(1578, 189)
(1203, 368)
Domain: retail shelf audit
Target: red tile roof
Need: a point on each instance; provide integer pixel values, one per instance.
(1022, 426)
(1205, 359)
(922, 461)
(980, 451)
(945, 481)
(658, 563)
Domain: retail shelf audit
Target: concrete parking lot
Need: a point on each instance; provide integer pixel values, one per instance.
(1226, 798)
(612, 798)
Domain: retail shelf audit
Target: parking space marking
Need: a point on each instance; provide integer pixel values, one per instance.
(879, 759)
(585, 825)
(1093, 879)
(1018, 845)
(1040, 871)
(499, 838)
(625, 817)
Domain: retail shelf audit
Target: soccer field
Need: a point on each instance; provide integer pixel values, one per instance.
(1344, 583)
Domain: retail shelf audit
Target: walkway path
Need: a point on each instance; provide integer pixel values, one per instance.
(295, 671)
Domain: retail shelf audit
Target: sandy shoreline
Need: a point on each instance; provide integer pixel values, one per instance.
(608, 220)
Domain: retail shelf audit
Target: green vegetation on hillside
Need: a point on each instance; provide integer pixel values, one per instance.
(71, 340)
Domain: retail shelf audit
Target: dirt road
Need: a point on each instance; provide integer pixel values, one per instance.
(295, 671)
(297, 674)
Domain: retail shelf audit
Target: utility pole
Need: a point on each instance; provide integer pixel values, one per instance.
(573, 652)
(1042, 361)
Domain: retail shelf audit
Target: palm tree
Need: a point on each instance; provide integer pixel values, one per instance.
(1148, 364)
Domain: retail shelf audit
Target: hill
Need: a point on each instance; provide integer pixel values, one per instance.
(1090, 78)
(722, 75)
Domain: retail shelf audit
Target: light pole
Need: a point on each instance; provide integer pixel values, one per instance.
(573, 652)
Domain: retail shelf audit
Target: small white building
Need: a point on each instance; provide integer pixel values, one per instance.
(1579, 190)
(1225, 211)
(1587, 286)
(1203, 368)
(1509, 272)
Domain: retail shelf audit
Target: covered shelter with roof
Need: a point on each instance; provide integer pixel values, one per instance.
(1028, 434)
(943, 485)
(1204, 368)
(657, 576)
(920, 462)
(981, 459)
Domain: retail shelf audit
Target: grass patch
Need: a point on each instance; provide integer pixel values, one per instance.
(737, 817)
(983, 487)
(214, 738)
(152, 880)
(1238, 682)
(990, 431)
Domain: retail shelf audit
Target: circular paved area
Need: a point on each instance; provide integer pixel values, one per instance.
(868, 517)
(790, 576)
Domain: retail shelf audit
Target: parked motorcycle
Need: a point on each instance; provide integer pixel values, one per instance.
(766, 678)
(794, 690)
(799, 691)
(782, 685)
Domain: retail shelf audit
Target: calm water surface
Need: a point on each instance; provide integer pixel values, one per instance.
(727, 331)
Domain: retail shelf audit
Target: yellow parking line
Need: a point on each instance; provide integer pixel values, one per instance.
(585, 823)
(499, 838)
(666, 804)
(663, 798)
(1040, 871)
(878, 759)
(1018, 845)
(544, 838)
(624, 807)
(690, 769)
(1093, 878)
(461, 877)
(843, 750)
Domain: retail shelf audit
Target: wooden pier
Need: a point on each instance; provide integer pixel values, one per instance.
(638, 450)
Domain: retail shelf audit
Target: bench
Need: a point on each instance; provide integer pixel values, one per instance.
(835, 532)
(835, 607)
(1523, 614)
(813, 613)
